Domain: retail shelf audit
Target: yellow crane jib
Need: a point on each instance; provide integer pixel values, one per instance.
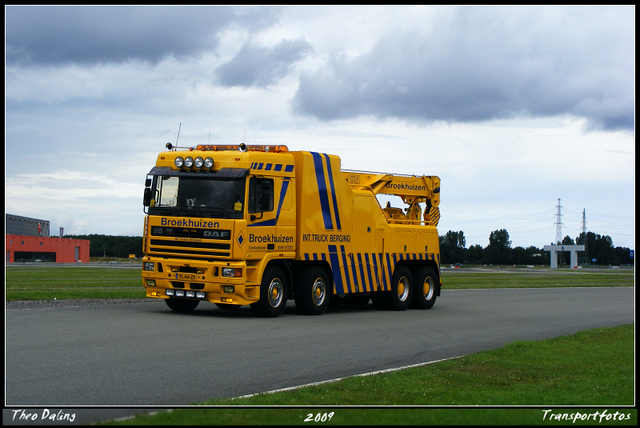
(413, 190)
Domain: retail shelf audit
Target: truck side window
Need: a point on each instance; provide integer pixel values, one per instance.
(260, 194)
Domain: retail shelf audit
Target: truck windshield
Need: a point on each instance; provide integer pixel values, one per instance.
(198, 196)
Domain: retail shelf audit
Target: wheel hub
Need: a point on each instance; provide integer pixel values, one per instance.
(403, 289)
(318, 292)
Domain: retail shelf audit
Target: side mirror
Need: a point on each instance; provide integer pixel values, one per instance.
(147, 197)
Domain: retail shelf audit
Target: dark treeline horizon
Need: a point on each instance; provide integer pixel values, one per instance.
(452, 249)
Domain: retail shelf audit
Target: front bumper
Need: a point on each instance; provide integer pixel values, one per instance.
(216, 282)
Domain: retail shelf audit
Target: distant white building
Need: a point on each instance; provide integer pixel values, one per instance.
(554, 249)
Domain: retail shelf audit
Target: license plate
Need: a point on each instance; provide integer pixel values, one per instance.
(186, 276)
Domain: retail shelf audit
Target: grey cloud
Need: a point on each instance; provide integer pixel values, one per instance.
(262, 66)
(487, 63)
(94, 34)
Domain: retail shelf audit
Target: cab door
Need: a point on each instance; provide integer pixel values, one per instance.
(271, 224)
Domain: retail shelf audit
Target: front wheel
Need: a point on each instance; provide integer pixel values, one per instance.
(425, 292)
(273, 293)
(182, 305)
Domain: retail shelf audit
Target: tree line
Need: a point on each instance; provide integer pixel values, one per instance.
(499, 252)
(452, 249)
(112, 246)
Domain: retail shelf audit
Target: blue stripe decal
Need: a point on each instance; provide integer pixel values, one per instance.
(345, 266)
(354, 272)
(362, 278)
(333, 192)
(335, 268)
(390, 266)
(383, 272)
(271, 167)
(371, 283)
(375, 271)
(322, 190)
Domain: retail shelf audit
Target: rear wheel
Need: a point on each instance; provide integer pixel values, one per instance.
(182, 305)
(399, 297)
(312, 291)
(425, 293)
(273, 293)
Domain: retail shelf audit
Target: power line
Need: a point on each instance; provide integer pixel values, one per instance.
(559, 223)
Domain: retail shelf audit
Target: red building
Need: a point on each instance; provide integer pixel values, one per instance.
(28, 240)
(22, 248)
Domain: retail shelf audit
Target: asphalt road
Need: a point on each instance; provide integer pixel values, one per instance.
(142, 354)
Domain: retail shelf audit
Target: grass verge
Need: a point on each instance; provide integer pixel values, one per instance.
(76, 282)
(592, 368)
(530, 278)
(72, 282)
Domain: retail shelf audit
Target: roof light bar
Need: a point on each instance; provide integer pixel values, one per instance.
(243, 147)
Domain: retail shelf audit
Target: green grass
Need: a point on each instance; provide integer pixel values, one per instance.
(72, 282)
(592, 368)
(530, 278)
(31, 282)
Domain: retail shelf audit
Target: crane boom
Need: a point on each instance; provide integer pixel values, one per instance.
(412, 189)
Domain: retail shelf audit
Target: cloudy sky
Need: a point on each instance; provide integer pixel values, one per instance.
(512, 107)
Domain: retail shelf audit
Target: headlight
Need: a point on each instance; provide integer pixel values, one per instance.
(169, 292)
(188, 162)
(148, 266)
(179, 162)
(208, 163)
(198, 162)
(231, 272)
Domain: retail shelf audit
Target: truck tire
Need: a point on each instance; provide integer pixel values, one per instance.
(182, 305)
(312, 291)
(425, 291)
(273, 293)
(399, 298)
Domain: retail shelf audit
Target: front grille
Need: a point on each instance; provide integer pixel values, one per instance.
(176, 232)
(193, 253)
(197, 243)
(203, 245)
